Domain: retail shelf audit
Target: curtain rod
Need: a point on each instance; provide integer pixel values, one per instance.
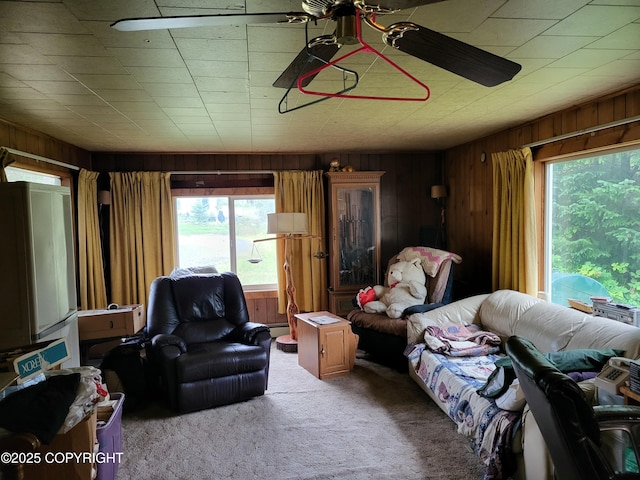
(39, 158)
(221, 172)
(577, 133)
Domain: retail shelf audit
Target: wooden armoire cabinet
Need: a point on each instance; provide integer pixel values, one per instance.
(354, 236)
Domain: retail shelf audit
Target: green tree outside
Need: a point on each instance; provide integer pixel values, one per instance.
(596, 221)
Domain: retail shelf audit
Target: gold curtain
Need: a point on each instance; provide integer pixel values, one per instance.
(142, 233)
(6, 159)
(93, 293)
(299, 191)
(515, 258)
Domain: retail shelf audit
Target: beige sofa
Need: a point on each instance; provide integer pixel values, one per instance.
(552, 328)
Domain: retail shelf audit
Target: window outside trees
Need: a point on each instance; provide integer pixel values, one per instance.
(593, 228)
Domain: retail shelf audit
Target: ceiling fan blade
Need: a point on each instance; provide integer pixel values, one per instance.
(304, 63)
(232, 19)
(455, 56)
(403, 4)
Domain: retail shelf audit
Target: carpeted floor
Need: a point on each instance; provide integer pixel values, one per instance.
(373, 424)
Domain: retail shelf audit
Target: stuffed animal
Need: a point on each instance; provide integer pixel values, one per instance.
(334, 166)
(406, 288)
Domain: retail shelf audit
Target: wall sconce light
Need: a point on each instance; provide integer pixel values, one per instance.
(439, 192)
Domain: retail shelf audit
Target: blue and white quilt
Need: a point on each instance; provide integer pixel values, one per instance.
(454, 382)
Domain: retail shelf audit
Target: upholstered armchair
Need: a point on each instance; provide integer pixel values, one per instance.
(386, 338)
(201, 346)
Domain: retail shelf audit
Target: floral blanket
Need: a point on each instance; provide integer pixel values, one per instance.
(453, 382)
(461, 340)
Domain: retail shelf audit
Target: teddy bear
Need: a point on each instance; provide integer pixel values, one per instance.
(406, 288)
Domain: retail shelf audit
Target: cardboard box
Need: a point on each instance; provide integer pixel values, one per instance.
(121, 322)
(80, 440)
(30, 360)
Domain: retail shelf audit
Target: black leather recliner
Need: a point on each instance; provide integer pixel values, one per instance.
(584, 442)
(201, 346)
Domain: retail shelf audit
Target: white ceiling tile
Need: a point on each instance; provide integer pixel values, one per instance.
(588, 58)
(147, 57)
(547, 46)
(160, 75)
(598, 20)
(218, 69)
(170, 89)
(133, 90)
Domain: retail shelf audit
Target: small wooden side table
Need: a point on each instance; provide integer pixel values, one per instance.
(97, 326)
(630, 398)
(325, 349)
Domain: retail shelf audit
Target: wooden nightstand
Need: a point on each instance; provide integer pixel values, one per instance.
(630, 398)
(325, 350)
(97, 326)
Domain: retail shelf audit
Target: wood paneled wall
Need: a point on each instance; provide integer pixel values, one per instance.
(470, 204)
(30, 141)
(405, 187)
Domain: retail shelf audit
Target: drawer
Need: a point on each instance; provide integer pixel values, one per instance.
(121, 322)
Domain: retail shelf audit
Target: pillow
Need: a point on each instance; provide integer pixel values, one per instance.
(584, 360)
(186, 272)
(499, 380)
(513, 399)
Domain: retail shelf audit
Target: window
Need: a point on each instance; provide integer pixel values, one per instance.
(220, 230)
(593, 228)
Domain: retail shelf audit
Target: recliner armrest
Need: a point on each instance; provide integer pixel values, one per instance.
(161, 341)
(250, 333)
(616, 413)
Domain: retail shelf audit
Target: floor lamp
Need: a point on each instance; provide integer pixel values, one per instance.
(286, 225)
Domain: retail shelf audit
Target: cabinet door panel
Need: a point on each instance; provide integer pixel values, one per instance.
(333, 351)
(354, 229)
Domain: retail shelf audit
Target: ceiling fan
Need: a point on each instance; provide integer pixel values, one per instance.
(440, 50)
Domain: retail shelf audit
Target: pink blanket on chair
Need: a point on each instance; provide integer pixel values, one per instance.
(431, 258)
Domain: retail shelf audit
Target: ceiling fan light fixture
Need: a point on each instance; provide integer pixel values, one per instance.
(347, 30)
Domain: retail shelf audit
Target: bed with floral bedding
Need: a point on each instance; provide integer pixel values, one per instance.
(454, 380)
(471, 394)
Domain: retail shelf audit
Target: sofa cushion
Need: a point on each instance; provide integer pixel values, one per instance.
(461, 312)
(553, 328)
(501, 311)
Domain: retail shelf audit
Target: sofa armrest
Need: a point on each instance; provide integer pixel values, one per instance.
(463, 311)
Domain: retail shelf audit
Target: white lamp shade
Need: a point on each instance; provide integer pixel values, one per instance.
(287, 223)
